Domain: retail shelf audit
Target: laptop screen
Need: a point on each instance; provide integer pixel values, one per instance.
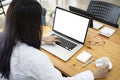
(71, 24)
(80, 11)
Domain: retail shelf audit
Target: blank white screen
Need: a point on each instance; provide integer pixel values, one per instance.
(70, 24)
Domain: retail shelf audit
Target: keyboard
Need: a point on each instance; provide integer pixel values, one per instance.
(66, 44)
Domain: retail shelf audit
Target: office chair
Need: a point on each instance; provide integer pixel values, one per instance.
(1, 8)
(0, 39)
(83, 12)
(105, 12)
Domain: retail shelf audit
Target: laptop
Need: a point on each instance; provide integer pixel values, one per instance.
(71, 28)
(80, 11)
(93, 24)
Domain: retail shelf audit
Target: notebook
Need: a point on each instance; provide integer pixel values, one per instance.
(106, 31)
(97, 25)
(72, 29)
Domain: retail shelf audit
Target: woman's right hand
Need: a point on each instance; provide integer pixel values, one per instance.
(50, 39)
(101, 72)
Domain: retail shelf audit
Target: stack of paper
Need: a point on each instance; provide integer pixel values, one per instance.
(84, 56)
(97, 25)
(106, 31)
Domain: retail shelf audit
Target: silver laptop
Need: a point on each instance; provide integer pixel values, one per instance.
(71, 28)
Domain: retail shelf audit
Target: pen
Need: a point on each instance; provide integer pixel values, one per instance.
(91, 60)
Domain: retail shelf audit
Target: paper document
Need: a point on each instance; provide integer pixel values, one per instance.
(106, 31)
(84, 56)
(97, 25)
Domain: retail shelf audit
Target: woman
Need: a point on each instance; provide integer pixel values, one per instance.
(20, 57)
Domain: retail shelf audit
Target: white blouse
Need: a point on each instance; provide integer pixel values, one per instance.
(28, 63)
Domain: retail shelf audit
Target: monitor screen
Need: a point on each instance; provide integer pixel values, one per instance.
(70, 24)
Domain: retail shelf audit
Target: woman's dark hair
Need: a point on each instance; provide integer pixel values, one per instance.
(23, 23)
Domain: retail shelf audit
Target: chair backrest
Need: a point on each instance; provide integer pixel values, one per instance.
(0, 39)
(104, 12)
(1, 6)
(83, 12)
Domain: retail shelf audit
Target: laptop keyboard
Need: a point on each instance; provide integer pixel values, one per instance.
(66, 44)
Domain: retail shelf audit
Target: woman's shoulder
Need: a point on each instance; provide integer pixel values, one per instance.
(27, 59)
(25, 51)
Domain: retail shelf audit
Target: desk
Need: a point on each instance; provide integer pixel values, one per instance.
(111, 49)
